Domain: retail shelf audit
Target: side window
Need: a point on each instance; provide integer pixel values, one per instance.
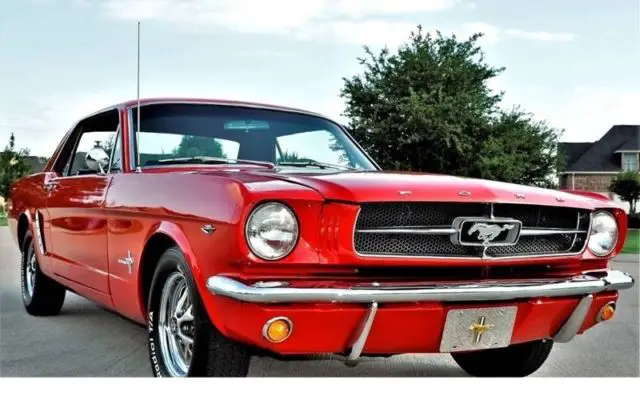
(88, 141)
(97, 131)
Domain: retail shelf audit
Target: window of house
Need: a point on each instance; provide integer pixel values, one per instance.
(630, 161)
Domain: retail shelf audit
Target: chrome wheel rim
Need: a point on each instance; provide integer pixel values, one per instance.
(30, 273)
(176, 325)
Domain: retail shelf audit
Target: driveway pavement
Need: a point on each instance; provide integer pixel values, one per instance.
(85, 340)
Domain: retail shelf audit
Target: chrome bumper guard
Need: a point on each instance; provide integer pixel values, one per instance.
(582, 285)
(280, 292)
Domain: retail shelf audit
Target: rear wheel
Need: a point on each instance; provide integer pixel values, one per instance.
(41, 295)
(518, 360)
(182, 340)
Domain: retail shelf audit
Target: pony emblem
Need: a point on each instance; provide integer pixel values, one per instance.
(488, 232)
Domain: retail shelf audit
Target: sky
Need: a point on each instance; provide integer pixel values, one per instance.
(572, 63)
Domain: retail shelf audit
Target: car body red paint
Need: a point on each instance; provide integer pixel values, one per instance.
(91, 221)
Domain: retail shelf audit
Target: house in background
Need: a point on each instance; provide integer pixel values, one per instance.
(36, 163)
(591, 166)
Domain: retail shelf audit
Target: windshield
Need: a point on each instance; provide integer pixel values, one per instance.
(201, 133)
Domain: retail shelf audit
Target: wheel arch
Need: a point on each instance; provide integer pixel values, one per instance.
(23, 226)
(161, 238)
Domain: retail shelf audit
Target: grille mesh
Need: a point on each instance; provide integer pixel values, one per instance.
(411, 245)
(408, 215)
(380, 215)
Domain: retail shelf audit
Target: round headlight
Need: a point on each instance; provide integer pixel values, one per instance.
(604, 234)
(272, 231)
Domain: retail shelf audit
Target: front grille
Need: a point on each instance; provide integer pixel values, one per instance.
(427, 230)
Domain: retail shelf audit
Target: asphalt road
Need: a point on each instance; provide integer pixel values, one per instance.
(85, 340)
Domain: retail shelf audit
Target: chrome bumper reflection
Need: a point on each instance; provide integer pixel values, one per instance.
(279, 292)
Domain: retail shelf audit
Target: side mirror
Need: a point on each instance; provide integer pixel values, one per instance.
(97, 160)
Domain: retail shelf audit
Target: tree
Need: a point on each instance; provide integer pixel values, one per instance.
(428, 107)
(191, 146)
(627, 186)
(13, 165)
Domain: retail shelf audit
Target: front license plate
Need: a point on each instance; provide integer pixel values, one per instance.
(478, 329)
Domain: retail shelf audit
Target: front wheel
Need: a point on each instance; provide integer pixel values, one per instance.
(517, 360)
(182, 340)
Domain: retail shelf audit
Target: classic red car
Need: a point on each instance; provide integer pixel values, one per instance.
(234, 229)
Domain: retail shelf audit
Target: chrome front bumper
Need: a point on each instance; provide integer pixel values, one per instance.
(280, 292)
(584, 286)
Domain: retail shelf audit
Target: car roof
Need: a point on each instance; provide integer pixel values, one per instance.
(225, 102)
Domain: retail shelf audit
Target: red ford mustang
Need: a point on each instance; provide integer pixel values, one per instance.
(234, 229)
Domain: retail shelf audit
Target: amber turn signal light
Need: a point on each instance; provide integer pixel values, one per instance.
(277, 329)
(607, 312)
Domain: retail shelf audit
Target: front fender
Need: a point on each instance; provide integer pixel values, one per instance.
(178, 235)
(174, 232)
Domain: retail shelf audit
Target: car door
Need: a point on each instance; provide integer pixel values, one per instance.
(75, 207)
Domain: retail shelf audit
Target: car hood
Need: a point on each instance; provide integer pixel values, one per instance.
(390, 186)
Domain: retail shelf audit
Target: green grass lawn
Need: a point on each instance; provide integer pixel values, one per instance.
(632, 244)
(3, 221)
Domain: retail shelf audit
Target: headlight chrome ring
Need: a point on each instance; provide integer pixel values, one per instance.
(272, 231)
(604, 233)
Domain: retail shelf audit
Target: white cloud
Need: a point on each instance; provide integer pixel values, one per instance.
(350, 21)
(363, 8)
(493, 34)
(541, 35)
(591, 110)
(373, 22)
(370, 32)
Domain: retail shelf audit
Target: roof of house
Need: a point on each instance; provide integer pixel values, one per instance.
(631, 145)
(600, 156)
(573, 151)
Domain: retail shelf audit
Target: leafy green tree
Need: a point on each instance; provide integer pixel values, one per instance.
(13, 165)
(627, 186)
(289, 157)
(429, 107)
(191, 146)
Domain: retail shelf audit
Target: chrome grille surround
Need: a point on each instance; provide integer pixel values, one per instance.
(427, 230)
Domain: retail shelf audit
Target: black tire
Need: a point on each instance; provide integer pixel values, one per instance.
(213, 354)
(47, 296)
(518, 360)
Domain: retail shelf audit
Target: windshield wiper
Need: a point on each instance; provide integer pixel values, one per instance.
(315, 163)
(214, 160)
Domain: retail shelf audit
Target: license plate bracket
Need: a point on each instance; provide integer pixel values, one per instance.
(478, 328)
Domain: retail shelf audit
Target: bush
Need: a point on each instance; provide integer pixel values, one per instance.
(627, 186)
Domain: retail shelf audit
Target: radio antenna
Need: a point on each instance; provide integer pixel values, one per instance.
(138, 168)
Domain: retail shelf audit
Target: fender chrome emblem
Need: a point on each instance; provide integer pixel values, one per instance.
(128, 261)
